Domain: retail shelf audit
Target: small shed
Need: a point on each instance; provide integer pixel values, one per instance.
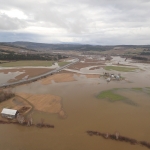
(9, 113)
(108, 79)
(117, 77)
(112, 76)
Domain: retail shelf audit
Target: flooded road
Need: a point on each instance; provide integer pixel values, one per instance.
(85, 112)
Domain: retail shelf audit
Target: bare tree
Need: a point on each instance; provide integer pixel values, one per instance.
(29, 121)
(20, 118)
(6, 94)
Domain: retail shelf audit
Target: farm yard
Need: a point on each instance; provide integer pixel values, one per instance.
(17, 103)
(44, 102)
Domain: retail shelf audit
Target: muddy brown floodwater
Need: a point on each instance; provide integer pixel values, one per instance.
(84, 112)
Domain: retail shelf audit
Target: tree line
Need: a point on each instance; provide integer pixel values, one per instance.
(140, 58)
(145, 53)
(7, 55)
(5, 95)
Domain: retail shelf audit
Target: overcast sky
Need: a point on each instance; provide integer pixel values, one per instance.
(103, 22)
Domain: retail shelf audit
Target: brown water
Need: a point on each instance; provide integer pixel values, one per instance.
(84, 112)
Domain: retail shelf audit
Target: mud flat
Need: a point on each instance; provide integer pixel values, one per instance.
(45, 103)
(60, 77)
(65, 76)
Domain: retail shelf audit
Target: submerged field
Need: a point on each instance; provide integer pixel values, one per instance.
(115, 95)
(111, 96)
(88, 103)
(122, 69)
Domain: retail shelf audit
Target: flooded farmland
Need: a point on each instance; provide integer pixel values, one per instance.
(85, 111)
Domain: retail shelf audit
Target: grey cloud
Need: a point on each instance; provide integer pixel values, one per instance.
(7, 23)
(103, 21)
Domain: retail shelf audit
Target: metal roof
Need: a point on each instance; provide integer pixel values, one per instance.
(9, 111)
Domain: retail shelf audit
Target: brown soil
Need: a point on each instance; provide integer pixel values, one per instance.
(31, 72)
(23, 109)
(45, 102)
(80, 65)
(65, 76)
(24, 95)
(60, 77)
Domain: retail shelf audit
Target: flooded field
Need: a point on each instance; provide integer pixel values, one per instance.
(85, 111)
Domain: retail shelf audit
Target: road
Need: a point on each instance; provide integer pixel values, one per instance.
(39, 77)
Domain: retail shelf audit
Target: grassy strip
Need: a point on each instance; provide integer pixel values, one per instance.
(123, 69)
(62, 63)
(110, 96)
(138, 89)
(27, 63)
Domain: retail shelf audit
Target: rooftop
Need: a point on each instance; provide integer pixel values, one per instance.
(8, 111)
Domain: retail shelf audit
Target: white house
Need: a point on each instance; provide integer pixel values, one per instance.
(9, 113)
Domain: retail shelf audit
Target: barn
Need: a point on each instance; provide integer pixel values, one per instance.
(9, 113)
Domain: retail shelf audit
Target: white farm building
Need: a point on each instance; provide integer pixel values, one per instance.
(9, 113)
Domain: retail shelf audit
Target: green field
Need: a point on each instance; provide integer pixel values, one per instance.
(27, 63)
(138, 89)
(62, 63)
(31, 63)
(116, 68)
(110, 95)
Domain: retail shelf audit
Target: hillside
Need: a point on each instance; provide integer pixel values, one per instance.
(80, 47)
(44, 46)
(14, 52)
(14, 48)
(141, 52)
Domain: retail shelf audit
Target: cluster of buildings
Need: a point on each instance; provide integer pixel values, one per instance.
(112, 77)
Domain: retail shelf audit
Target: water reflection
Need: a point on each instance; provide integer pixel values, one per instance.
(10, 75)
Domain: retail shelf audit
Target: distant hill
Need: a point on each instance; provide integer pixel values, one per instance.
(11, 51)
(44, 46)
(79, 47)
(14, 48)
